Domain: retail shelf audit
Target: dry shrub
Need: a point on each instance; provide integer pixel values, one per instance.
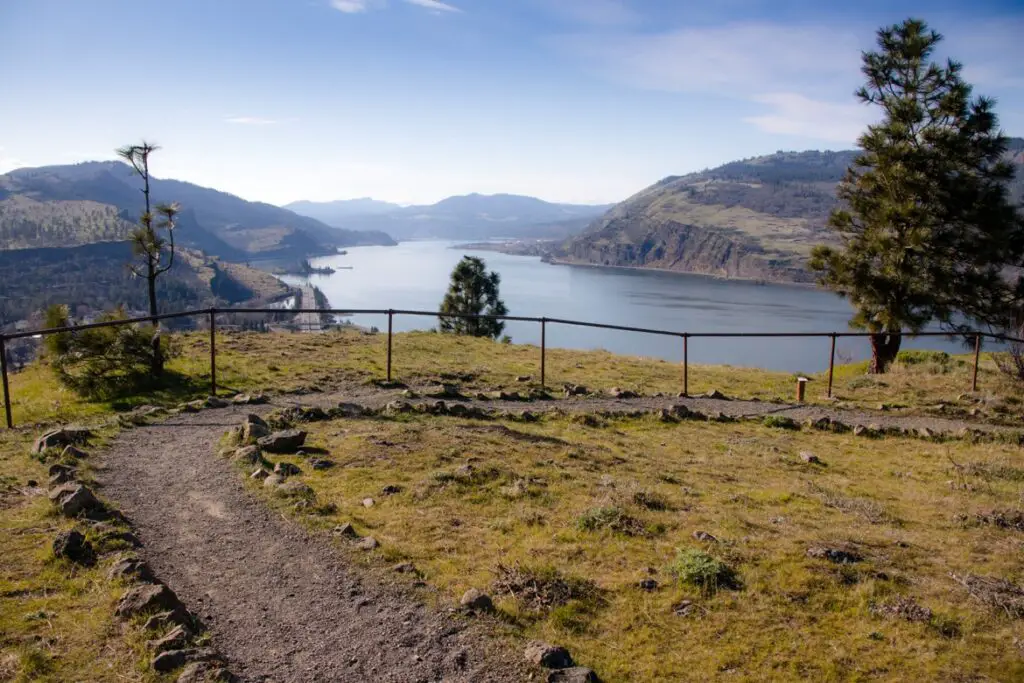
(1004, 519)
(869, 509)
(903, 607)
(541, 588)
(996, 593)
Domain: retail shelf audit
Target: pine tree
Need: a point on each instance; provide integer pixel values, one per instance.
(927, 229)
(147, 243)
(473, 291)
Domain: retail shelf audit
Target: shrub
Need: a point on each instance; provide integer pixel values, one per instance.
(781, 422)
(612, 518)
(699, 569)
(540, 588)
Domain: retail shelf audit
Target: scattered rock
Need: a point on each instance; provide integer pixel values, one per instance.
(924, 433)
(810, 458)
(404, 568)
(902, 607)
(574, 674)
(131, 568)
(66, 436)
(409, 393)
(548, 656)
(367, 543)
(683, 608)
(205, 672)
(148, 597)
(665, 415)
(292, 488)
(216, 402)
(286, 441)
(834, 554)
(259, 473)
(73, 499)
(61, 474)
(71, 545)
(273, 480)
(822, 424)
(249, 399)
(175, 659)
(286, 469)
(458, 410)
(367, 502)
(476, 600)
(391, 489)
(648, 584)
(247, 454)
(523, 378)
(397, 408)
(680, 411)
(161, 621)
(437, 408)
(575, 390)
(444, 391)
(321, 463)
(73, 453)
(192, 406)
(704, 536)
(350, 410)
(527, 416)
(254, 428)
(616, 392)
(175, 639)
(346, 530)
(717, 395)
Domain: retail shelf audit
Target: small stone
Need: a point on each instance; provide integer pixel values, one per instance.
(73, 453)
(548, 656)
(62, 476)
(704, 536)
(205, 672)
(717, 395)
(254, 428)
(286, 469)
(648, 584)
(574, 674)
(320, 463)
(398, 407)
(477, 600)
(391, 489)
(170, 660)
(66, 436)
(286, 441)
(216, 402)
(367, 543)
(367, 502)
(810, 458)
(292, 488)
(616, 392)
(925, 433)
(248, 454)
(175, 639)
(523, 378)
(273, 480)
(404, 568)
(73, 499)
(527, 416)
(71, 545)
(458, 410)
(834, 554)
(161, 621)
(346, 530)
(146, 597)
(683, 608)
(131, 568)
(259, 473)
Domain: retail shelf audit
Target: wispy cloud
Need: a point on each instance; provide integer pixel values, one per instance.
(793, 114)
(434, 5)
(593, 12)
(249, 120)
(360, 6)
(353, 6)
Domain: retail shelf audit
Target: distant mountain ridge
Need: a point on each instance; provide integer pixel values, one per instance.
(757, 218)
(472, 216)
(341, 209)
(99, 201)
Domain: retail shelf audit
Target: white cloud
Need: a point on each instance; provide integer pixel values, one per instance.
(435, 5)
(794, 114)
(352, 6)
(249, 120)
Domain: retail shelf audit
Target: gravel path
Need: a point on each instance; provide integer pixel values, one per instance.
(279, 602)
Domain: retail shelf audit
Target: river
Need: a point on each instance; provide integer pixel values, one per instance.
(414, 276)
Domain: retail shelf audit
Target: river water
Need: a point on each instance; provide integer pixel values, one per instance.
(414, 276)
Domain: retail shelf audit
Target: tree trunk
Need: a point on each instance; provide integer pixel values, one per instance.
(884, 347)
(157, 362)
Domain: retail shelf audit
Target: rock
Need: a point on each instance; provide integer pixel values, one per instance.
(717, 395)
(683, 608)
(170, 660)
(704, 536)
(575, 390)
(397, 408)
(161, 621)
(477, 600)
(924, 433)
(192, 406)
(368, 543)
(273, 480)
(391, 489)
(292, 488)
(131, 569)
(523, 378)
(286, 469)
(665, 415)
(860, 430)
(409, 393)
(61, 474)
(548, 656)
(148, 597)
(205, 672)
(648, 584)
(616, 392)
(259, 473)
(71, 545)
(254, 428)
(574, 674)
(680, 411)
(247, 454)
(437, 408)
(57, 468)
(73, 453)
(216, 402)
(65, 436)
(286, 441)
(404, 568)
(527, 416)
(346, 530)
(367, 502)
(115, 538)
(73, 499)
(810, 458)
(321, 463)
(834, 554)
(175, 639)
(458, 410)
(350, 410)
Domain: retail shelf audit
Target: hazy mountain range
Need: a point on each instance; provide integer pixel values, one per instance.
(472, 216)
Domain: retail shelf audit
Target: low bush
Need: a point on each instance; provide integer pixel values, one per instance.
(701, 570)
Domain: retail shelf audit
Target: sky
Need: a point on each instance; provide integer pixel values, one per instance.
(410, 101)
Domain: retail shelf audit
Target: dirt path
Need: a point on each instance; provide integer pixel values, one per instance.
(279, 602)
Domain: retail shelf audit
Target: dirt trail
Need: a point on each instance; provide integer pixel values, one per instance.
(279, 602)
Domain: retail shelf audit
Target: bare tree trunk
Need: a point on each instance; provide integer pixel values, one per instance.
(157, 362)
(884, 347)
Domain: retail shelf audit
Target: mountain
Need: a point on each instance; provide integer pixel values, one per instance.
(333, 213)
(100, 201)
(757, 218)
(477, 217)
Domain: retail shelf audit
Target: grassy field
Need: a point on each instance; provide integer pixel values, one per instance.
(561, 521)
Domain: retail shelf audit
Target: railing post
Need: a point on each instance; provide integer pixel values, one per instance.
(686, 364)
(977, 357)
(7, 390)
(543, 349)
(831, 365)
(391, 315)
(213, 352)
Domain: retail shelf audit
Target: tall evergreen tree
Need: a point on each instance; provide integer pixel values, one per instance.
(148, 245)
(927, 228)
(473, 291)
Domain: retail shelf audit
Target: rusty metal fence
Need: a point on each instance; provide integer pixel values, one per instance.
(684, 337)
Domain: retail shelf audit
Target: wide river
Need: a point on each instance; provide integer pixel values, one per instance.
(414, 276)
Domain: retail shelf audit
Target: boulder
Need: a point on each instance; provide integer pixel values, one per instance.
(404, 568)
(477, 600)
(574, 674)
(548, 656)
(286, 441)
(523, 378)
(254, 427)
(680, 411)
(286, 469)
(575, 390)
(170, 660)
(192, 406)
(71, 545)
(148, 597)
(73, 499)
(458, 410)
(367, 543)
(175, 639)
(65, 436)
(131, 569)
(247, 454)
(161, 621)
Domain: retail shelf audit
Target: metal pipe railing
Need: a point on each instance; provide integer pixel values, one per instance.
(391, 313)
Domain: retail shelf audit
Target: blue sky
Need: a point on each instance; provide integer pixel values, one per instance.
(415, 100)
